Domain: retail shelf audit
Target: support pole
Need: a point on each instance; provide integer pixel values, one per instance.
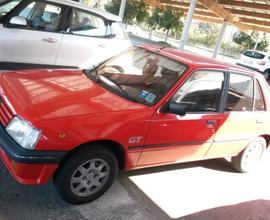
(150, 33)
(122, 8)
(257, 41)
(220, 39)
(184, 36)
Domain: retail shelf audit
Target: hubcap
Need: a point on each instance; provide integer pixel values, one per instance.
(253, 156)
(89, 177)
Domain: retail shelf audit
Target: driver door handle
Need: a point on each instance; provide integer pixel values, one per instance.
(49, 40)
(102, 45)
(211, 123)
(259, 121)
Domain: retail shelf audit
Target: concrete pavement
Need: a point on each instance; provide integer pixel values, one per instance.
(200, 190)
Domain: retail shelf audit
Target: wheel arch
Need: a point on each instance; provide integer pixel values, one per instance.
(115, 147)
(267, 139)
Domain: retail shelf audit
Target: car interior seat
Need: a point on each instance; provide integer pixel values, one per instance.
(38, 23)
(53, 25)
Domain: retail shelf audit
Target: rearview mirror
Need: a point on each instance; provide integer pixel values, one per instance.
(175, 108)
(18, 20)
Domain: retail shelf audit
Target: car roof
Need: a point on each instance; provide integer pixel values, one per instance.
(102, 13)
(195, 60)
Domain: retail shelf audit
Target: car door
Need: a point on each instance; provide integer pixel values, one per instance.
(240, 124)
(174, 138)
(35, 44)
(84, 42)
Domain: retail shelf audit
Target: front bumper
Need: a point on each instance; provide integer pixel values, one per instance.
(28, 166)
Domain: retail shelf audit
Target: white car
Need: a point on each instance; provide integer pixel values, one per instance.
(57, 34)
(256, 60)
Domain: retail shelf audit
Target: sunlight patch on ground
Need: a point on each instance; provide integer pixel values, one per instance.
(181, 192)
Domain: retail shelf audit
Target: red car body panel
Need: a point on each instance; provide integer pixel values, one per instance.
(28, 173)
(45, 94)
(72, 110)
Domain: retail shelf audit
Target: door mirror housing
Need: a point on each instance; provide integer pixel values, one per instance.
(18, 21)
(175, 108)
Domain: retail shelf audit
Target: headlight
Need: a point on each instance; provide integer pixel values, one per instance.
(23, 132)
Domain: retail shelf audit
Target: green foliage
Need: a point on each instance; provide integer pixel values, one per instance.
(167, 20)
(135, 11)
(153, 20)
(164, 44)
(205, 34)
(113, 7)
(246, 41)
(231, 49)
(142, 11)
(170, 20)
(87, 2)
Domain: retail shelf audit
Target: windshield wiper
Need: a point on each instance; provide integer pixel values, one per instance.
(93, 74)
(117, 87)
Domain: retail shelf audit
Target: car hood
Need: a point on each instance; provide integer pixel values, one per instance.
(46, 94)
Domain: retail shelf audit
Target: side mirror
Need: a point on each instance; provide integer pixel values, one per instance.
(175, 108)
(18, 21)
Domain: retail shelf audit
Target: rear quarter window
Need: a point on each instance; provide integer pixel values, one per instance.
(259, 100)
(240, 94)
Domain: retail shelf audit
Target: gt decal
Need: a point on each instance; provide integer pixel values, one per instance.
(135, 140)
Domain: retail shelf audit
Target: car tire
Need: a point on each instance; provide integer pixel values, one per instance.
(266, 74)
(250, 157)
(86, 175)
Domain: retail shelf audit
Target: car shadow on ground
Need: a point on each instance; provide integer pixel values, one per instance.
(220, 164)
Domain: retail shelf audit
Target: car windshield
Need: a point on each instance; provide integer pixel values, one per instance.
(7, 6)
(254, 54)
(139, 75)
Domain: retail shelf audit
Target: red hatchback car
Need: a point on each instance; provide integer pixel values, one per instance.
(146, 107)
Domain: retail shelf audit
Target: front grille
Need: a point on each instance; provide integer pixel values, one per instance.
(5, 113)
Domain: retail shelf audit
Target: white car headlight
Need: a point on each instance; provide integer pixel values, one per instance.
(23, 132)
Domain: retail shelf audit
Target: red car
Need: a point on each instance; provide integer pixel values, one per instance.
(146, 107)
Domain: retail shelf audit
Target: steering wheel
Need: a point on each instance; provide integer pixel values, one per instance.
(115, 69)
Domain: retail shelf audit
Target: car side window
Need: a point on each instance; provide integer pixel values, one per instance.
(86, 24)
(259, 100)
(26, 12)
(42, 16)
(6, 7)
(202, 91)
(240, 93)
(116, 29)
